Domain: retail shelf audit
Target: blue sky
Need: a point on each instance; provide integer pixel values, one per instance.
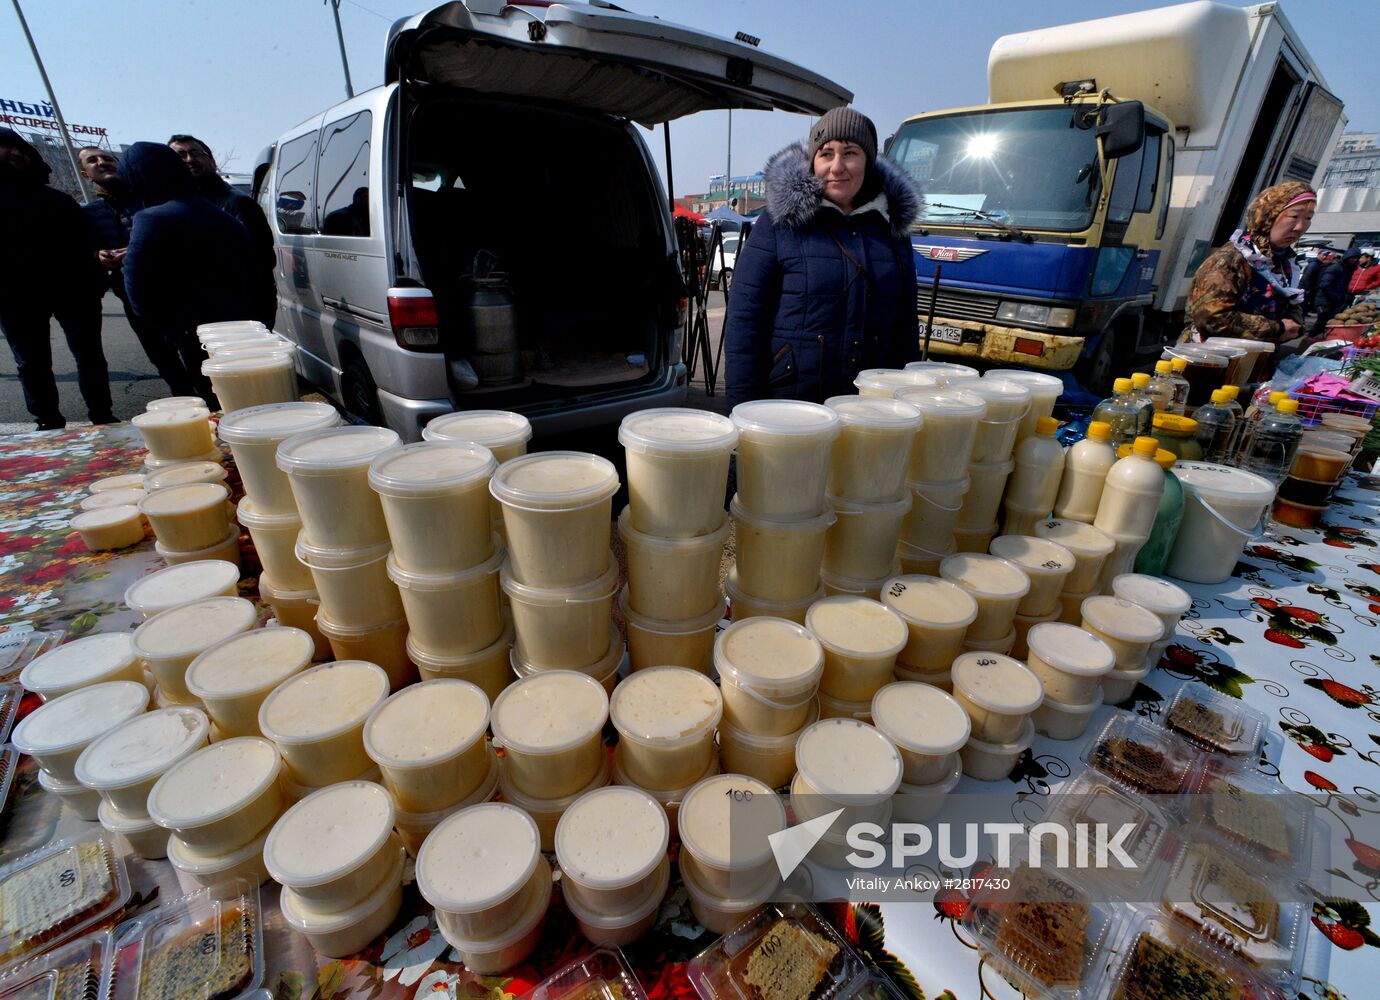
(238, 72)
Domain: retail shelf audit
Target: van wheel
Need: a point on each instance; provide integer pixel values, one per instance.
(360, 393)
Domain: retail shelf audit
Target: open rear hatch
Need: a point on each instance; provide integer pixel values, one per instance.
(516, 143)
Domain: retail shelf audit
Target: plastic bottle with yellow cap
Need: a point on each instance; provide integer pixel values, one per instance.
(1178, 434)
(1145, 403)
(1032, 487)
(1131, 494)
(1274, 440)
(1161, 387)
(1119, 412)
(1176, 377)
(1216, 427)
(1085, 470)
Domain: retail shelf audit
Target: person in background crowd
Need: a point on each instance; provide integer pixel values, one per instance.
(1366, 277)
(825, 285)
(48, 270)
(1324, 283)
(197, 155)
(112, 213)
(1249, 287)
(187, 263)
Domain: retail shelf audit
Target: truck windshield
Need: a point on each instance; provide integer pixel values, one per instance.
(1026, 168)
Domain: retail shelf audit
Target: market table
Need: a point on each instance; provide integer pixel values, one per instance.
(1295, 633)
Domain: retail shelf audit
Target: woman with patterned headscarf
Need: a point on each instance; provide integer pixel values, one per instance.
(1250, 287)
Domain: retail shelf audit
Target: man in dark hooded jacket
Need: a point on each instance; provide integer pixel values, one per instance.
(48, 270)
(188, 262)
(111, 212)
(197, 155)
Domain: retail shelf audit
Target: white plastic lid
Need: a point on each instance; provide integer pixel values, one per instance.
(169, 417)
(612, 837)
(186, 859)
(175, 403)
(491, 428)
(725, 813)
(875, 412)
(334, 450)
(850, 624)
(1159, 596)
(124, 481)
(304, 919)
(190, 628)
(676, 431)
(1079, 538)
(78, 717)
(322, 701)
(249, 516)
(948, 369)
(179, 499)
(113, 498)
(185, 474)
(549, 712)
(141, 748)
(246, 364)
(950, 402)
(1122, 619)
(250, 662)
(819, 522)
(478, 857)
(425, 723)
(767, 418)
(79, 662)
(921, 718)
(769, 654)
(888, 380)
(214, 782)
(666, 704)
(1071, 649)
(927, 600)
(323, 557)
(181, 584)
(554, 480)
(431, 468)
(988, 575)
(1224, 483)
(247, 348)
(848, 760)
(1039, 383)
(105, 516)
(230, 326)
(1037, 556)
(1005, 389)
(329, 834)
(275, 422)
(997, 682)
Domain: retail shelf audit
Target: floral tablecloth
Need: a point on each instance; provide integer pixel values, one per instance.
(1295, 633)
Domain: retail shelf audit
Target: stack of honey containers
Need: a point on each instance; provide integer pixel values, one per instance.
(269, 510)
(673, 533)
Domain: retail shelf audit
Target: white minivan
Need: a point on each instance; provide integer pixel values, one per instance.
(503, 135)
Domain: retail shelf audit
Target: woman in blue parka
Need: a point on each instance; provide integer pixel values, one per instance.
(825, 286)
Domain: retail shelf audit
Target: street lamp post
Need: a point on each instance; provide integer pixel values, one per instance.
(339, 37)
(52, 99)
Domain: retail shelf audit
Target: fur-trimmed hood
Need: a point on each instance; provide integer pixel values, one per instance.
(795, 196)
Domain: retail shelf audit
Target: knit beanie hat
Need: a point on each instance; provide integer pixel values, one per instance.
(847, 125)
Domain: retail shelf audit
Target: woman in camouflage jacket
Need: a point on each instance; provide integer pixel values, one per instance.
(1249, 287)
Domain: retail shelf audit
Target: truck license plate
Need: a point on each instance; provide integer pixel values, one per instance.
(945, 334)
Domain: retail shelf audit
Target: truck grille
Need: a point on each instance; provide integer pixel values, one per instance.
(956, 306)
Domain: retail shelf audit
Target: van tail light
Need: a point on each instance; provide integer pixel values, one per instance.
(412, 313)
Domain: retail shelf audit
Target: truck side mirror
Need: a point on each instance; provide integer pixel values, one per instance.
(1122, 128)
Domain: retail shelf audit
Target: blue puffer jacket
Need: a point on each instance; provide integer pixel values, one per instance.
(803, 318)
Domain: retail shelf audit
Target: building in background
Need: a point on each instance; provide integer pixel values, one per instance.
(750, 190)
(1357, 142)
(1358, 168)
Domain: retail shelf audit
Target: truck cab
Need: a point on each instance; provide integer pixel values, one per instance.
(1044, 232)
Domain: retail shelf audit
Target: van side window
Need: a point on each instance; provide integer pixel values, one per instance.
(343, 176)
(293, 194)
(1168, 182)
(1122, 201)
(1149, 171)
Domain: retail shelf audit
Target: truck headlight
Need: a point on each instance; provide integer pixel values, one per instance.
(1035, 314)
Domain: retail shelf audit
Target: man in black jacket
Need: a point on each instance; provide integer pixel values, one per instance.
(112, 213)
(1325, 282)
(48, 270)
(188, 262)
(210, 185)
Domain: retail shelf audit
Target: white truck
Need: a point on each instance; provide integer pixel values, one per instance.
(1069, 214)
